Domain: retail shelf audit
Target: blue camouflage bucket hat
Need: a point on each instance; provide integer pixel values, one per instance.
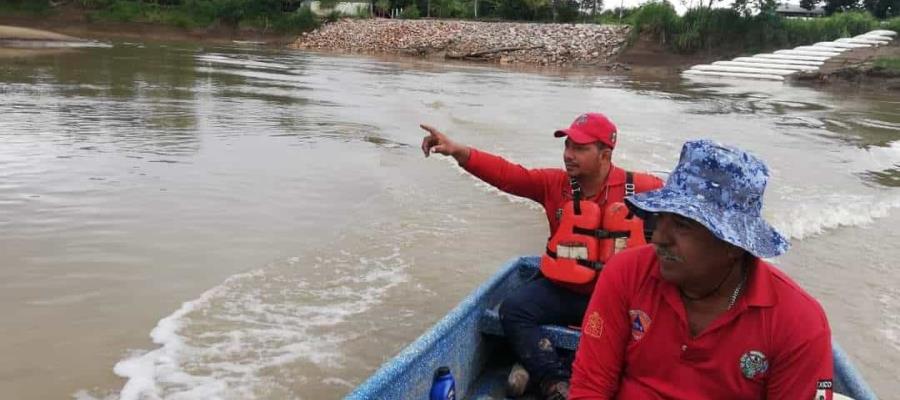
(722, 188)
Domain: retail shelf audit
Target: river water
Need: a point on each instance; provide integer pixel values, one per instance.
(188, 222)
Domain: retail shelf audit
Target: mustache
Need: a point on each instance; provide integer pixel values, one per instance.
(667, 255)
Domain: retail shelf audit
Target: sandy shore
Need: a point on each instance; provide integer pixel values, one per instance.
(72, 21)
(18, 42)
(20, 33)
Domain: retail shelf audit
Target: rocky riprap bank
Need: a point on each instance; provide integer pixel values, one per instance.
(503, 42)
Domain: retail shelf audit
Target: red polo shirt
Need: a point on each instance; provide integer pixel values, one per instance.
(551, 188)
(635, 344)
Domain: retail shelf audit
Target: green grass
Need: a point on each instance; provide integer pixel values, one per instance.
(888, 63)
(203, 13)
(25, 7)
(892, 24)
(121, 11)
(722, 29)
(829, 28)
(657, 18)
(411, 12)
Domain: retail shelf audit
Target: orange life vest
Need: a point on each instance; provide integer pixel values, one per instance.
(585, 239)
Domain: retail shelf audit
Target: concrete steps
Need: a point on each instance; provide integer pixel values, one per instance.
(783, 63)
(766, 66)
(799, 57)
(780, 61)
(723, 74)
(823, 49)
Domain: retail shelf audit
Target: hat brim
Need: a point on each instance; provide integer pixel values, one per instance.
(749, 232)
(576, 136)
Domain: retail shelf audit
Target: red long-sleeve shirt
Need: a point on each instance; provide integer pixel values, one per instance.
(551, 188)
(635, 344)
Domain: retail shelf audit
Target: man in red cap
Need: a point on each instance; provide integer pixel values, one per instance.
(590, 141)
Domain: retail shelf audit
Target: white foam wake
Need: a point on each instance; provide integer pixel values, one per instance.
(143, 370)
(814, 216)
(243, 338)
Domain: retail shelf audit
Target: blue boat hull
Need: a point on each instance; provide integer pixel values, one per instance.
(468, 340)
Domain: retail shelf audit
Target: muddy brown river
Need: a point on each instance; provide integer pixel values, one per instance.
(188, 222)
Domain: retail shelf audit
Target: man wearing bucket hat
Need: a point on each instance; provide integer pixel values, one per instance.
(700, 315)
(590, 141)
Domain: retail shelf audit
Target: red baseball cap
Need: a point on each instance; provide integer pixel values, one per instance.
(590, 128)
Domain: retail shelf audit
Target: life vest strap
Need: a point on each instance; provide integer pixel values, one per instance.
(600, 233)
(576, 195)
(595, 265)
(629, 183)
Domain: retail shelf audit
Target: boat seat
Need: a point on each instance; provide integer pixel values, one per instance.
(561, 337)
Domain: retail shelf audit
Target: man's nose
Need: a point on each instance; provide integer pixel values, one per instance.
(661, 230)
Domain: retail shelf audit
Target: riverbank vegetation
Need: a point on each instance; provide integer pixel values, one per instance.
(724, 29)
(746, 26)
(891, 64)
(24, 7)
(275, 15)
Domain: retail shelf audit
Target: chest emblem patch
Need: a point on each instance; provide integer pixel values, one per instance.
(754, 364)
(640, 323)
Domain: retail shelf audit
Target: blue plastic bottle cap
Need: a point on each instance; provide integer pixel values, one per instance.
(441, 372)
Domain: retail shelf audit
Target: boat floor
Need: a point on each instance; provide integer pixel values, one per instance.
(491, 384)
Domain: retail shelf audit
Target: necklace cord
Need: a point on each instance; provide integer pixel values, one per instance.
(711, 292)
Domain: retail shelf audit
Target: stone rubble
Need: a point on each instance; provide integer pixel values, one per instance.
(502, 42)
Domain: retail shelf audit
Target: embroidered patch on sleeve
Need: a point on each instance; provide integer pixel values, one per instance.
(594, 325)
(823, 389)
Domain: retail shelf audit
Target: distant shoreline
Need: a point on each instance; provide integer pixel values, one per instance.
(643, 56)
(76, 25)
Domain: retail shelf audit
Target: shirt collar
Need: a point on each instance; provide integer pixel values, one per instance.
(616, 176)
(760, 289)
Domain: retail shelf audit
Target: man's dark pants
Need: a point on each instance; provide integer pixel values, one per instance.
(540, 302)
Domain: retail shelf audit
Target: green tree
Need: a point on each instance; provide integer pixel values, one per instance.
(883, 8)
(411, 12)
(752, 7)
(833, 6)
(383, 6)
